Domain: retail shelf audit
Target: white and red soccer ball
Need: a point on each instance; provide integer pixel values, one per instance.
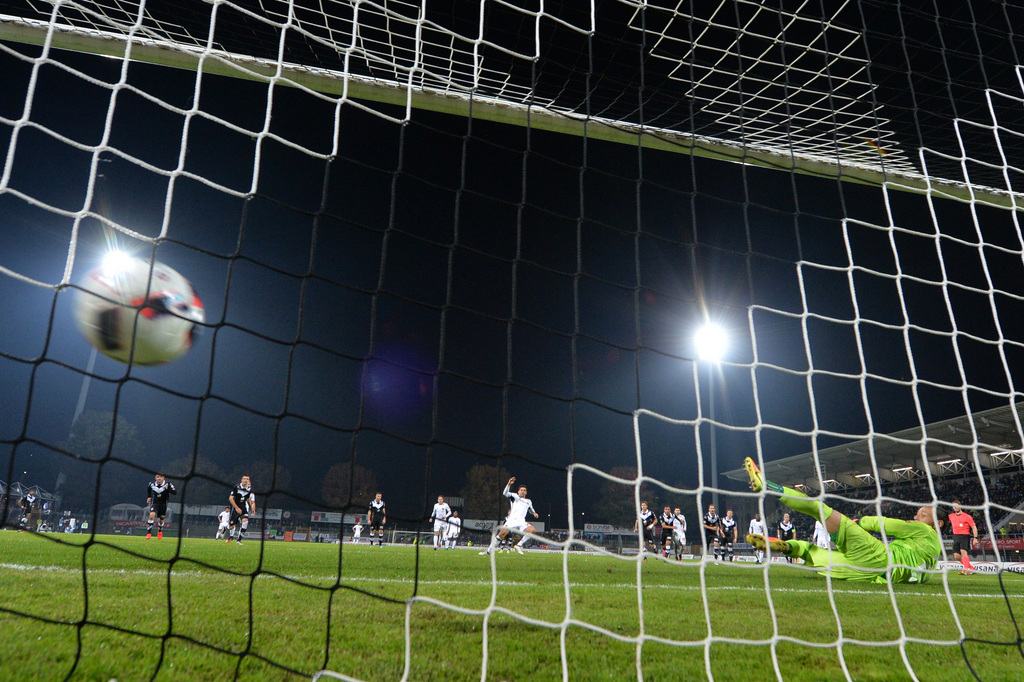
(126, 303)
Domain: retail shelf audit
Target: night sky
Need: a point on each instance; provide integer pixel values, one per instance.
(442, 293)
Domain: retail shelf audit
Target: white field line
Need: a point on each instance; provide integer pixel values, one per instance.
(501, 583)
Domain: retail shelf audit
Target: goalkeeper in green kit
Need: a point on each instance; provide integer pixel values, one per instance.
(913, 546)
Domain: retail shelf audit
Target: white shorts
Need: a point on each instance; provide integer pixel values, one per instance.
(222, 526)
(517, 526)
(440, 526)
(679, 537)
(450, 535)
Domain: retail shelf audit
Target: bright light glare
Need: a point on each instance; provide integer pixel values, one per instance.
(115, 262)
(711, 343)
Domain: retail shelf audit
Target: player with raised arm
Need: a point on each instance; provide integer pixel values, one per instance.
(243, 503)
(439, 515)
(668, 524)
(645, 523)
(963, 525)
(757, 528)
(729, 536)
(787, 532)
(377, 516)
(157, 493)
(451, 536)
(912, 550)
(225, 522)
(712, 531)
(516, 519)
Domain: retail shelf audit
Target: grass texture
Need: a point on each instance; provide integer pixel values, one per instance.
(82, 607)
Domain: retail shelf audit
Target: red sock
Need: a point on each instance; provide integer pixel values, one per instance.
(966, 561)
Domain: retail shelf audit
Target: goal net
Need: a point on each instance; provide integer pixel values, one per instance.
(442, 244)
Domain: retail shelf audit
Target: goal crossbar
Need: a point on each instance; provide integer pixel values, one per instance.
(471, 103)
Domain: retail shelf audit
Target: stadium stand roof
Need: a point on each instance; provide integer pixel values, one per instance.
(990, 439)
(19, 489)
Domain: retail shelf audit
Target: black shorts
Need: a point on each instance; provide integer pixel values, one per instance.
(666, 535)
(961, 543)
(649, 534)
(711, 537)
(376, 521)
(159, 509)
(236, 517)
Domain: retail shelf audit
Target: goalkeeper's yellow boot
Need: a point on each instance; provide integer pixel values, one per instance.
(756, 479)
(760, 542)
(757, 482)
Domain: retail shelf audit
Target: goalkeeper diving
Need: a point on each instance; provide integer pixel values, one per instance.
(912, 551)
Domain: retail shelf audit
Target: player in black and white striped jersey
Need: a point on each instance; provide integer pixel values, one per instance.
(243, 503)
(787, 532)
(712, 531)
(729, 536)
(645, 523)
(157, 494)
(376, 517)
(28, 506)
(668, 524)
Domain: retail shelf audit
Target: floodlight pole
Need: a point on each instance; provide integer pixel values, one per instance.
(83, 394)
(711, 342)
(714, 445)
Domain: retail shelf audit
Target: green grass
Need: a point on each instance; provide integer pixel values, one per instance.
(125, 608)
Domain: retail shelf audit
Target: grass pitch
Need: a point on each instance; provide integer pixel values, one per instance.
(108, 607)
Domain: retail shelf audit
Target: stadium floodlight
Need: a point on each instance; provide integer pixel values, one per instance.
(712, 342)
(900, 469)
(115, 261)
(949, 461)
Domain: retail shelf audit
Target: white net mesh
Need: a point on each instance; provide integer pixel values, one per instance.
(401, 298)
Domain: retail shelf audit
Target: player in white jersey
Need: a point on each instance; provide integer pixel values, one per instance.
(757, 528)
(820, 537)
(440, 516)
(451, 536)
(225, 522)
(679, 533)
(357, 532)
(516, 519)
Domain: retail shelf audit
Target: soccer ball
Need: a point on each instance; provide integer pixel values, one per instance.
(119, 300)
